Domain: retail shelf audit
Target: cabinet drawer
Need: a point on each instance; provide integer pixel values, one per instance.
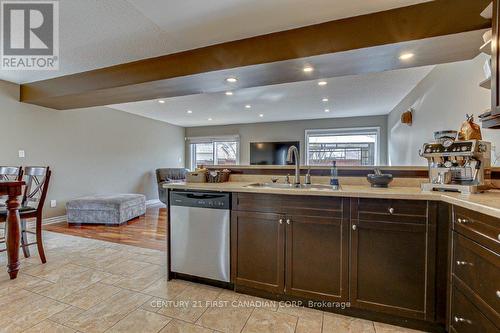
(391, 210)
(479, 269)
(289, 204)
(466, 318)
(482, 228)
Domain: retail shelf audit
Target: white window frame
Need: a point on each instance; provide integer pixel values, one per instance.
(345, 131)
(212, 140)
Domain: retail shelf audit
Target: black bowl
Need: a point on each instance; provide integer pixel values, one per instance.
(382, 180)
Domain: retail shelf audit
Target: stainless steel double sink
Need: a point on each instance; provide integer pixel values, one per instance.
(322, 187)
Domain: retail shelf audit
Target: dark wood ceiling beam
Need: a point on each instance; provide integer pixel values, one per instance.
(430, 19)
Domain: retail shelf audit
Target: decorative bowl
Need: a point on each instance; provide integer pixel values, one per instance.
(381, 180)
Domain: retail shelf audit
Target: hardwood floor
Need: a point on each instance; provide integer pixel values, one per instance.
(148, 231)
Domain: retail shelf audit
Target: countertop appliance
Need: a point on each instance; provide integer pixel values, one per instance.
(199, 234)
(458, 166)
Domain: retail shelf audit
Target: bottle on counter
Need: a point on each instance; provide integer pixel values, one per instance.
(334, 176)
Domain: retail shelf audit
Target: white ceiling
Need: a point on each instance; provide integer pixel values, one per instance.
(349, 96)
(101, 33)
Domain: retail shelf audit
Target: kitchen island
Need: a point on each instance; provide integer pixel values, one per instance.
(393, 255)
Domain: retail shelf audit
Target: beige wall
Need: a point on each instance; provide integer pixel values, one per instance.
(288, 131)
(95, 150)
(441, 101)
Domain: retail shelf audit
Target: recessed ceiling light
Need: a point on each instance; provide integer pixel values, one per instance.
(209, 119)
(327, 110)
(189, 111)
(248, 106)
(261, 115)
(231, 80)
(324, 100)
(229, 93)
(307, 69)
(406, 56)
(322, 83)
(161, 101)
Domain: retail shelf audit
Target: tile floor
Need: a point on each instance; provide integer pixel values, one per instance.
(96, 286)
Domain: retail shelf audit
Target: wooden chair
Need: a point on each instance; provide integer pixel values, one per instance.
(37, 184)
(9, 173)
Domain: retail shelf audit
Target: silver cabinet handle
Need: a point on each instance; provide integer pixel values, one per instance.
(498, 237)
(498, 293)
(391, 210)
(463, 263)
(462, 221)
(354, 227)
(288, 221)
(281, 221)
(461, 320)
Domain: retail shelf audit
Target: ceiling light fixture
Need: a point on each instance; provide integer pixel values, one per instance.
(322, 83)
(308, 69)
(229, 93)
(324, 100)
(406, 56)
(231, 80)
(189, 111)
(161, 101)
(248, 106)
(327, 110)
(209, 119)
(261, 115)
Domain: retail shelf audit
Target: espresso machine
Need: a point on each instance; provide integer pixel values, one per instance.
(458, 166)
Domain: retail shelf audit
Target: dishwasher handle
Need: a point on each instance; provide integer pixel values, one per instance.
(212, 200)
(203, 195)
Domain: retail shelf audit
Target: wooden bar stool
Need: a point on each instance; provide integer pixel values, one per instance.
(37, 184)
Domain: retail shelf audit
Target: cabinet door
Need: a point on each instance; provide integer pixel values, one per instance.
(392, 266)
(258, 246)
(317, 258)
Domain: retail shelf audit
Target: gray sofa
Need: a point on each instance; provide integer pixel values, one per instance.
(166, 175)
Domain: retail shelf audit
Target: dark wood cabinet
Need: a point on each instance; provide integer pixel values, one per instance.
(258, 248)
(475, 272)
(316, 258)
(381, 255)
(291, 245)
(393, 257)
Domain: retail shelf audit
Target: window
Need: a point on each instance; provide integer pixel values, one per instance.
(349, 147)
(214, 151)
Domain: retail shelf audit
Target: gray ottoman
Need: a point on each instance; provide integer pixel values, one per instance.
(106, 209)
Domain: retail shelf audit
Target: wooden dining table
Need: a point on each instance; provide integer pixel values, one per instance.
(12, 189)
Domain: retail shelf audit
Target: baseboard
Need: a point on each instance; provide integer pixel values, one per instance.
(48, 220)
(153, 202)
(55, 219)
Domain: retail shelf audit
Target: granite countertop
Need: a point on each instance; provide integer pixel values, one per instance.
(486, 203)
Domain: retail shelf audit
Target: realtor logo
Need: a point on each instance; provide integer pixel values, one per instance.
(30, 35)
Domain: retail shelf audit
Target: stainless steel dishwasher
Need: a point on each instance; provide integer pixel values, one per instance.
(199, 234)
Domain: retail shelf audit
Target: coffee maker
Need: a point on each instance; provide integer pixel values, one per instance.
(458, 166)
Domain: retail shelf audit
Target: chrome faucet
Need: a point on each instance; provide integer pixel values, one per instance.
(293, 151)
